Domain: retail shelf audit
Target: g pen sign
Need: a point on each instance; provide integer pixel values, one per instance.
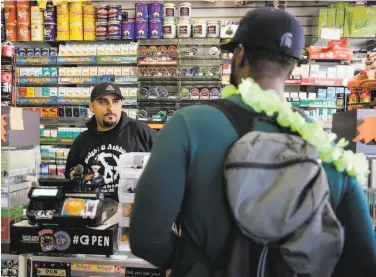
(367, 130)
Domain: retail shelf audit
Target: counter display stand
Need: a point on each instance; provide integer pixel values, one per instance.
(19, 165)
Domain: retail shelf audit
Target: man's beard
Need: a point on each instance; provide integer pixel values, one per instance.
(109, 124)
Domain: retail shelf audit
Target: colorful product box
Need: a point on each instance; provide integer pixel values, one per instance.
(322, 20)
(360, 22)
(331, 18)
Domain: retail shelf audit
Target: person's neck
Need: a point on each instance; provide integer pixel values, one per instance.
(275, 84)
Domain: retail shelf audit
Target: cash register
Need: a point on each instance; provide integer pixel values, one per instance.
(58, 202)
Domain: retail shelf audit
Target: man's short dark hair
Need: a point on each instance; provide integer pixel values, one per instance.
(265, 63)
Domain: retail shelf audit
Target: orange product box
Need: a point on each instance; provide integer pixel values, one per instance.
(45, 112)
(22, 92)
(53, 112)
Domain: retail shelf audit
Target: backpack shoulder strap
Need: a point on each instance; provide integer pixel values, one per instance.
(241, 118)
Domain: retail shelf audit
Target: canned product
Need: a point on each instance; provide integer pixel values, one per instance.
(10, 14)
(89, 27)
(89, 10)
(169, 28)
(101, 30)
(49, 32)
(76, 31)
(9, 3)
(141, 29)
(30, 52)
(37, 32)
(101, 13)
(37, 52)
(155, 29)
(23, 14)
(155, 10)
(114, 13)
(45, 52)
(36, 15)
(62, 10)
(127, 29)
(11, 31)
(53, 52)
(23, 32)
(50, 15)
(75, 13)
(62, 27)
(63, 36)
(114, 30)
(89, 36)
(141, 11)
(21, 52)
(7, 49)
(169, 10)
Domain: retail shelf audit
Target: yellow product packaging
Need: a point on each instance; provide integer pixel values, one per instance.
(76, 31)
(75, 13)
(88, 10)
(89, 27)
(37, 32)
(36, 15)
(89, 36)
(89, 18)
(30, 92)
(62, 27)
(63, 36)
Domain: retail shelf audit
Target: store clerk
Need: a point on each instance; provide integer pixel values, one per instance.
(110, 133)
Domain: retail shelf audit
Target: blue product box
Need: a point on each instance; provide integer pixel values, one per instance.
(321, 94)
(46, 92)
(331, 93)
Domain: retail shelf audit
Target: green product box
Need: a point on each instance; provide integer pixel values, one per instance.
(322, 20)
(331, 21)
(340, 19)
(46, 92)
(360, 22)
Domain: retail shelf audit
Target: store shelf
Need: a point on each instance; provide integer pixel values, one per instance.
(199, 41)
(37, 101)
(362, 84)
(55, 140)
(158, 42)
(318, 82)
(33, 61)
(355, 43)
(77, 60)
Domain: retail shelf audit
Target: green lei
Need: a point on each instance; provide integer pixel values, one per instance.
(269, 102)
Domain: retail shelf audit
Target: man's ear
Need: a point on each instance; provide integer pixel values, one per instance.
(91, 107)
(239, 56)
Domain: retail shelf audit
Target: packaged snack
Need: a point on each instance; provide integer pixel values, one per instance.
(46, 72)
(53, 71)
(46, 92)
(93, 71)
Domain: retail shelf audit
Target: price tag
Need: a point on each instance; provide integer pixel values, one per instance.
(330, 33)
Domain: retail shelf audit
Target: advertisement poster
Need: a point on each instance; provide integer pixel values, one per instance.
(51, 269)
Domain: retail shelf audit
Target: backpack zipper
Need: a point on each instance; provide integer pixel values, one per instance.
(270, 166)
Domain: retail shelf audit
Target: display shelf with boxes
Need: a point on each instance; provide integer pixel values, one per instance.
(132, 165)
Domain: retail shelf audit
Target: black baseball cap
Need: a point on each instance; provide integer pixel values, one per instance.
(272, 29)
(104, 89)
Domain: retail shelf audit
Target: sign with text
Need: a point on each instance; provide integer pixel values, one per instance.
(150, 272)
(51, 269)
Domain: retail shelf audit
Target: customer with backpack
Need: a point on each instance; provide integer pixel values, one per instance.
(246, 186)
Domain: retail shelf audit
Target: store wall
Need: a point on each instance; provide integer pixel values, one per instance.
(305, 11)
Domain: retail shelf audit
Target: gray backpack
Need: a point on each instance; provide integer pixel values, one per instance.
(278, 196)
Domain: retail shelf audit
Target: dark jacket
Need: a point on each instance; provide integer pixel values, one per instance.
(104, 148)
(185, 175)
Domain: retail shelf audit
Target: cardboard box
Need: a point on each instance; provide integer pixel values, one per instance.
(360, 22)
(322, 20)
(332, 17)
